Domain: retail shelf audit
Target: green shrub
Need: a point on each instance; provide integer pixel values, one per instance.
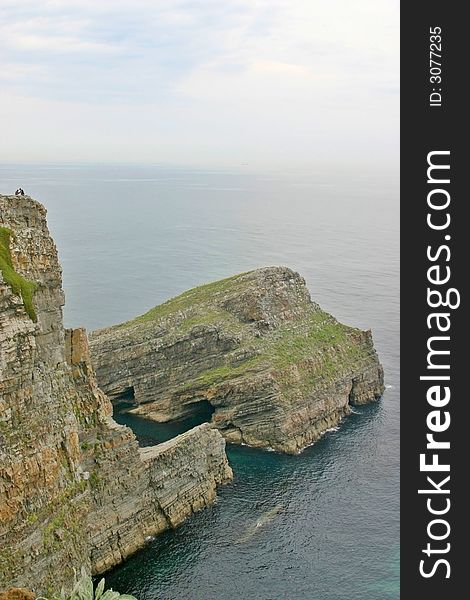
(83, 590)
(19, 285)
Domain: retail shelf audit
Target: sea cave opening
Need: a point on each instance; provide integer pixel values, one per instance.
(149, 432)
(124, 400)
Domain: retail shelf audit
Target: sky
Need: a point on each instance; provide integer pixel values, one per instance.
(200, 82)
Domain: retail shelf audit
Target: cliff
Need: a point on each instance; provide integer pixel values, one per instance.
(273, 368)
(75, 488)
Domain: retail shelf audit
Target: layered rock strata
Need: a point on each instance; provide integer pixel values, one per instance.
(75, 488)
(275, 369)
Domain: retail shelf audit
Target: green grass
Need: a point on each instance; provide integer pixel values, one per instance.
(186, 301)
(19, 285)
(320, 350)
(319, 347)
(210, 317)
(295, 345)
(94, 480)
(222, 373)
(310, 351)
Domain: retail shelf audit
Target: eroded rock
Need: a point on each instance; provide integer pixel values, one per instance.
(75, 488)
(275, 368)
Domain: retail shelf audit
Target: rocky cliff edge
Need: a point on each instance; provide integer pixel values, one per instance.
(274, 369)
(75, 488)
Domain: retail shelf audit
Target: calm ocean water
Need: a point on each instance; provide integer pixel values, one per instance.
(129, 238)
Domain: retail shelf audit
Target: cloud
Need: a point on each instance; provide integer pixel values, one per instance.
(256, 80)
(281, 68)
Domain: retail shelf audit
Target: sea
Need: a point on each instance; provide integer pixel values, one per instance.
(323, 525)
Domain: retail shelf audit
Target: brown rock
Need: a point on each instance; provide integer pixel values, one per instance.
(275, 370)
(17, 594)
(75, 490)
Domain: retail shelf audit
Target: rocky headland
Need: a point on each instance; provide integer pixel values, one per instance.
(269, 367)
(75, 488)
(274, 369)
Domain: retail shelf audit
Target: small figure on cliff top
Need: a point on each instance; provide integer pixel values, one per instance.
(19, 192)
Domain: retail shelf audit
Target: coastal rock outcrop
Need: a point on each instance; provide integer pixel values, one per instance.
(75, 488)
(274, 369)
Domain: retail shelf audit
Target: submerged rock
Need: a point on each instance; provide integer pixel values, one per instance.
(275, 370)
(265, 519)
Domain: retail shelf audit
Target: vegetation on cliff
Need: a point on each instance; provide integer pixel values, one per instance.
(62, 506)
(278, 348)
(276, 369)
(187, 304)
(19, 285)
(84, 590)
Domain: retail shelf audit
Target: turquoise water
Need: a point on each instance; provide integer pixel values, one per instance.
(324, 530)
(130, 237)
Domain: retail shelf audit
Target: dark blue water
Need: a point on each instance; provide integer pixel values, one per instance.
(131, 237)
(150, 433)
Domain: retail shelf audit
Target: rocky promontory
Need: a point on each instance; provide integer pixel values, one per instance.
(269, 367)
(274, 369)
(75, 488)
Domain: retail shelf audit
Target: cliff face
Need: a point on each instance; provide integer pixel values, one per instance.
(75, 489)
(136, 493)
(275, 369)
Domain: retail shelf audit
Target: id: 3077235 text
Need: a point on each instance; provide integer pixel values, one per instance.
(435, 66)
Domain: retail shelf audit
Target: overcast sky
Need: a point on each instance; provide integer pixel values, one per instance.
(200, 82)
